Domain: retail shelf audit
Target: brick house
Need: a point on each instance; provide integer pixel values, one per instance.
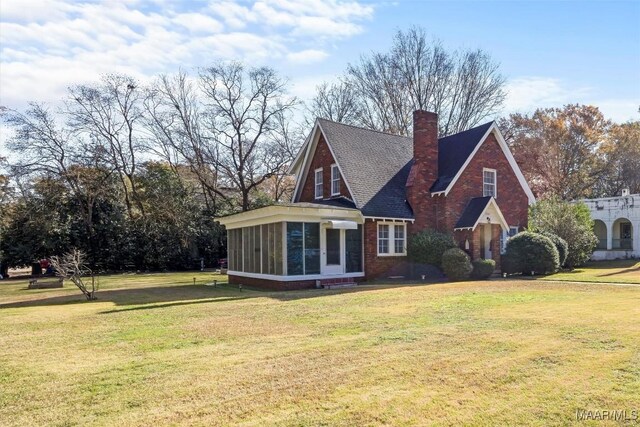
(360, 193)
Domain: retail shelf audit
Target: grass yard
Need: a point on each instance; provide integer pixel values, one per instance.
(618, 271)
(157, 350)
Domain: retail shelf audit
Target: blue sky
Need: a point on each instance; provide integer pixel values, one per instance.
(551, 53)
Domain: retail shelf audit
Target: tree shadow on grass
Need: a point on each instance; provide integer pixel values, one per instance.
(136, 296)
(147, 298)
(615, 273)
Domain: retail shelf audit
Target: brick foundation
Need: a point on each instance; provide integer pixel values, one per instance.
(282, 285)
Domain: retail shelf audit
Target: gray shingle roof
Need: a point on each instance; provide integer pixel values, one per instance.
(376, 164)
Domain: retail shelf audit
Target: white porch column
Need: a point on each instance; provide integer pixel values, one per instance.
(609, 226)
(635, 233)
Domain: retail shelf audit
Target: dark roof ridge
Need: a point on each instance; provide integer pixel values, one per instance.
(402, 136)
(366, 129)
(467, 130)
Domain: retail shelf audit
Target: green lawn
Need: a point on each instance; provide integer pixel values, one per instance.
(618, 271)
(157, 350)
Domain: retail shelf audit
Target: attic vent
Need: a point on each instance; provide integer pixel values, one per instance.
(625, 192)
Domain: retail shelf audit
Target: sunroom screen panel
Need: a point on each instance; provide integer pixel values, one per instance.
(311, 248)
(277, 244)
(295, 245)
(353, 250)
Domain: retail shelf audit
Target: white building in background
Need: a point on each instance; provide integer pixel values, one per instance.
(617, 225)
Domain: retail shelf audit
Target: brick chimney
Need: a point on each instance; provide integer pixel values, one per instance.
(424, 171)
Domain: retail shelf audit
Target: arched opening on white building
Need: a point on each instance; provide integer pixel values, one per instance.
(622, 234)
(600, 230)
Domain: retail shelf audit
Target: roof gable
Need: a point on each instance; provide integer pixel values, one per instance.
(447, 184)
(453, 151)
(476, 209)
(376, 166)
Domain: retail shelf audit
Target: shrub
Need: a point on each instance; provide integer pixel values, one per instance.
(533, 252)
(560, 244)
(483, 268)
(570, 221)
(456, 264)
(509, 264)
(428, 247)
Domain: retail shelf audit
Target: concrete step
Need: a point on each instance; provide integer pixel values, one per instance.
(339, 285)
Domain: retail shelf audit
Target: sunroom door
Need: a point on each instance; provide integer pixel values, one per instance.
(333, 251)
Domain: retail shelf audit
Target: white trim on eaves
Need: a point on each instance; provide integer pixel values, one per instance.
(505, 149)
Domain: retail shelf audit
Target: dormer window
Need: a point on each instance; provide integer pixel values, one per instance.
(318, 186)
(489, 187)
(335, 180)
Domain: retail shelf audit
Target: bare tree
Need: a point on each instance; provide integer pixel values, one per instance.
(175, 119)
(475, 92)
(44, 147)
(287, 140)
(109, 113)
(383, 89)
(72, 266)
(231, 132)
(243, 109)
(336, 101)
(381, 94)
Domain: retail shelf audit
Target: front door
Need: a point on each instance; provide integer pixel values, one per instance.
(332, 255)
(487, 242)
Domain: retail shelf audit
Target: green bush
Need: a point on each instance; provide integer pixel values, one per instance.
(427, 247)
(509, 264)
(533, 252)
(570, 221)
(560, 244)
(456, 264)
(483, 268)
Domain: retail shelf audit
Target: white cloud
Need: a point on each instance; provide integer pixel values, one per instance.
(305, 87)
(198, 23)
(526, 94)
(619, 110)
(327, 18)
(46, 45)
(307, 56)
(33, 10)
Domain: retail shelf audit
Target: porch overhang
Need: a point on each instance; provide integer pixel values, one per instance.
(481, 210)
(341, 224)
(334, 216)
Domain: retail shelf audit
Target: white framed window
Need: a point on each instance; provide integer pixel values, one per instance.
(392, 239)
(335, 180)
(383, 239)
(506, 235)
(318, 185)
(489, 182)
(399, 246)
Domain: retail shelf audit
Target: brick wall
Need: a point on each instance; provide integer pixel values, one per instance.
(511, 198)
(322, 158)
(424, 170)
(282, 285)
(376, 266)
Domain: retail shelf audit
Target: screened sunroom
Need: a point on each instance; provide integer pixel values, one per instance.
(305, 241)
